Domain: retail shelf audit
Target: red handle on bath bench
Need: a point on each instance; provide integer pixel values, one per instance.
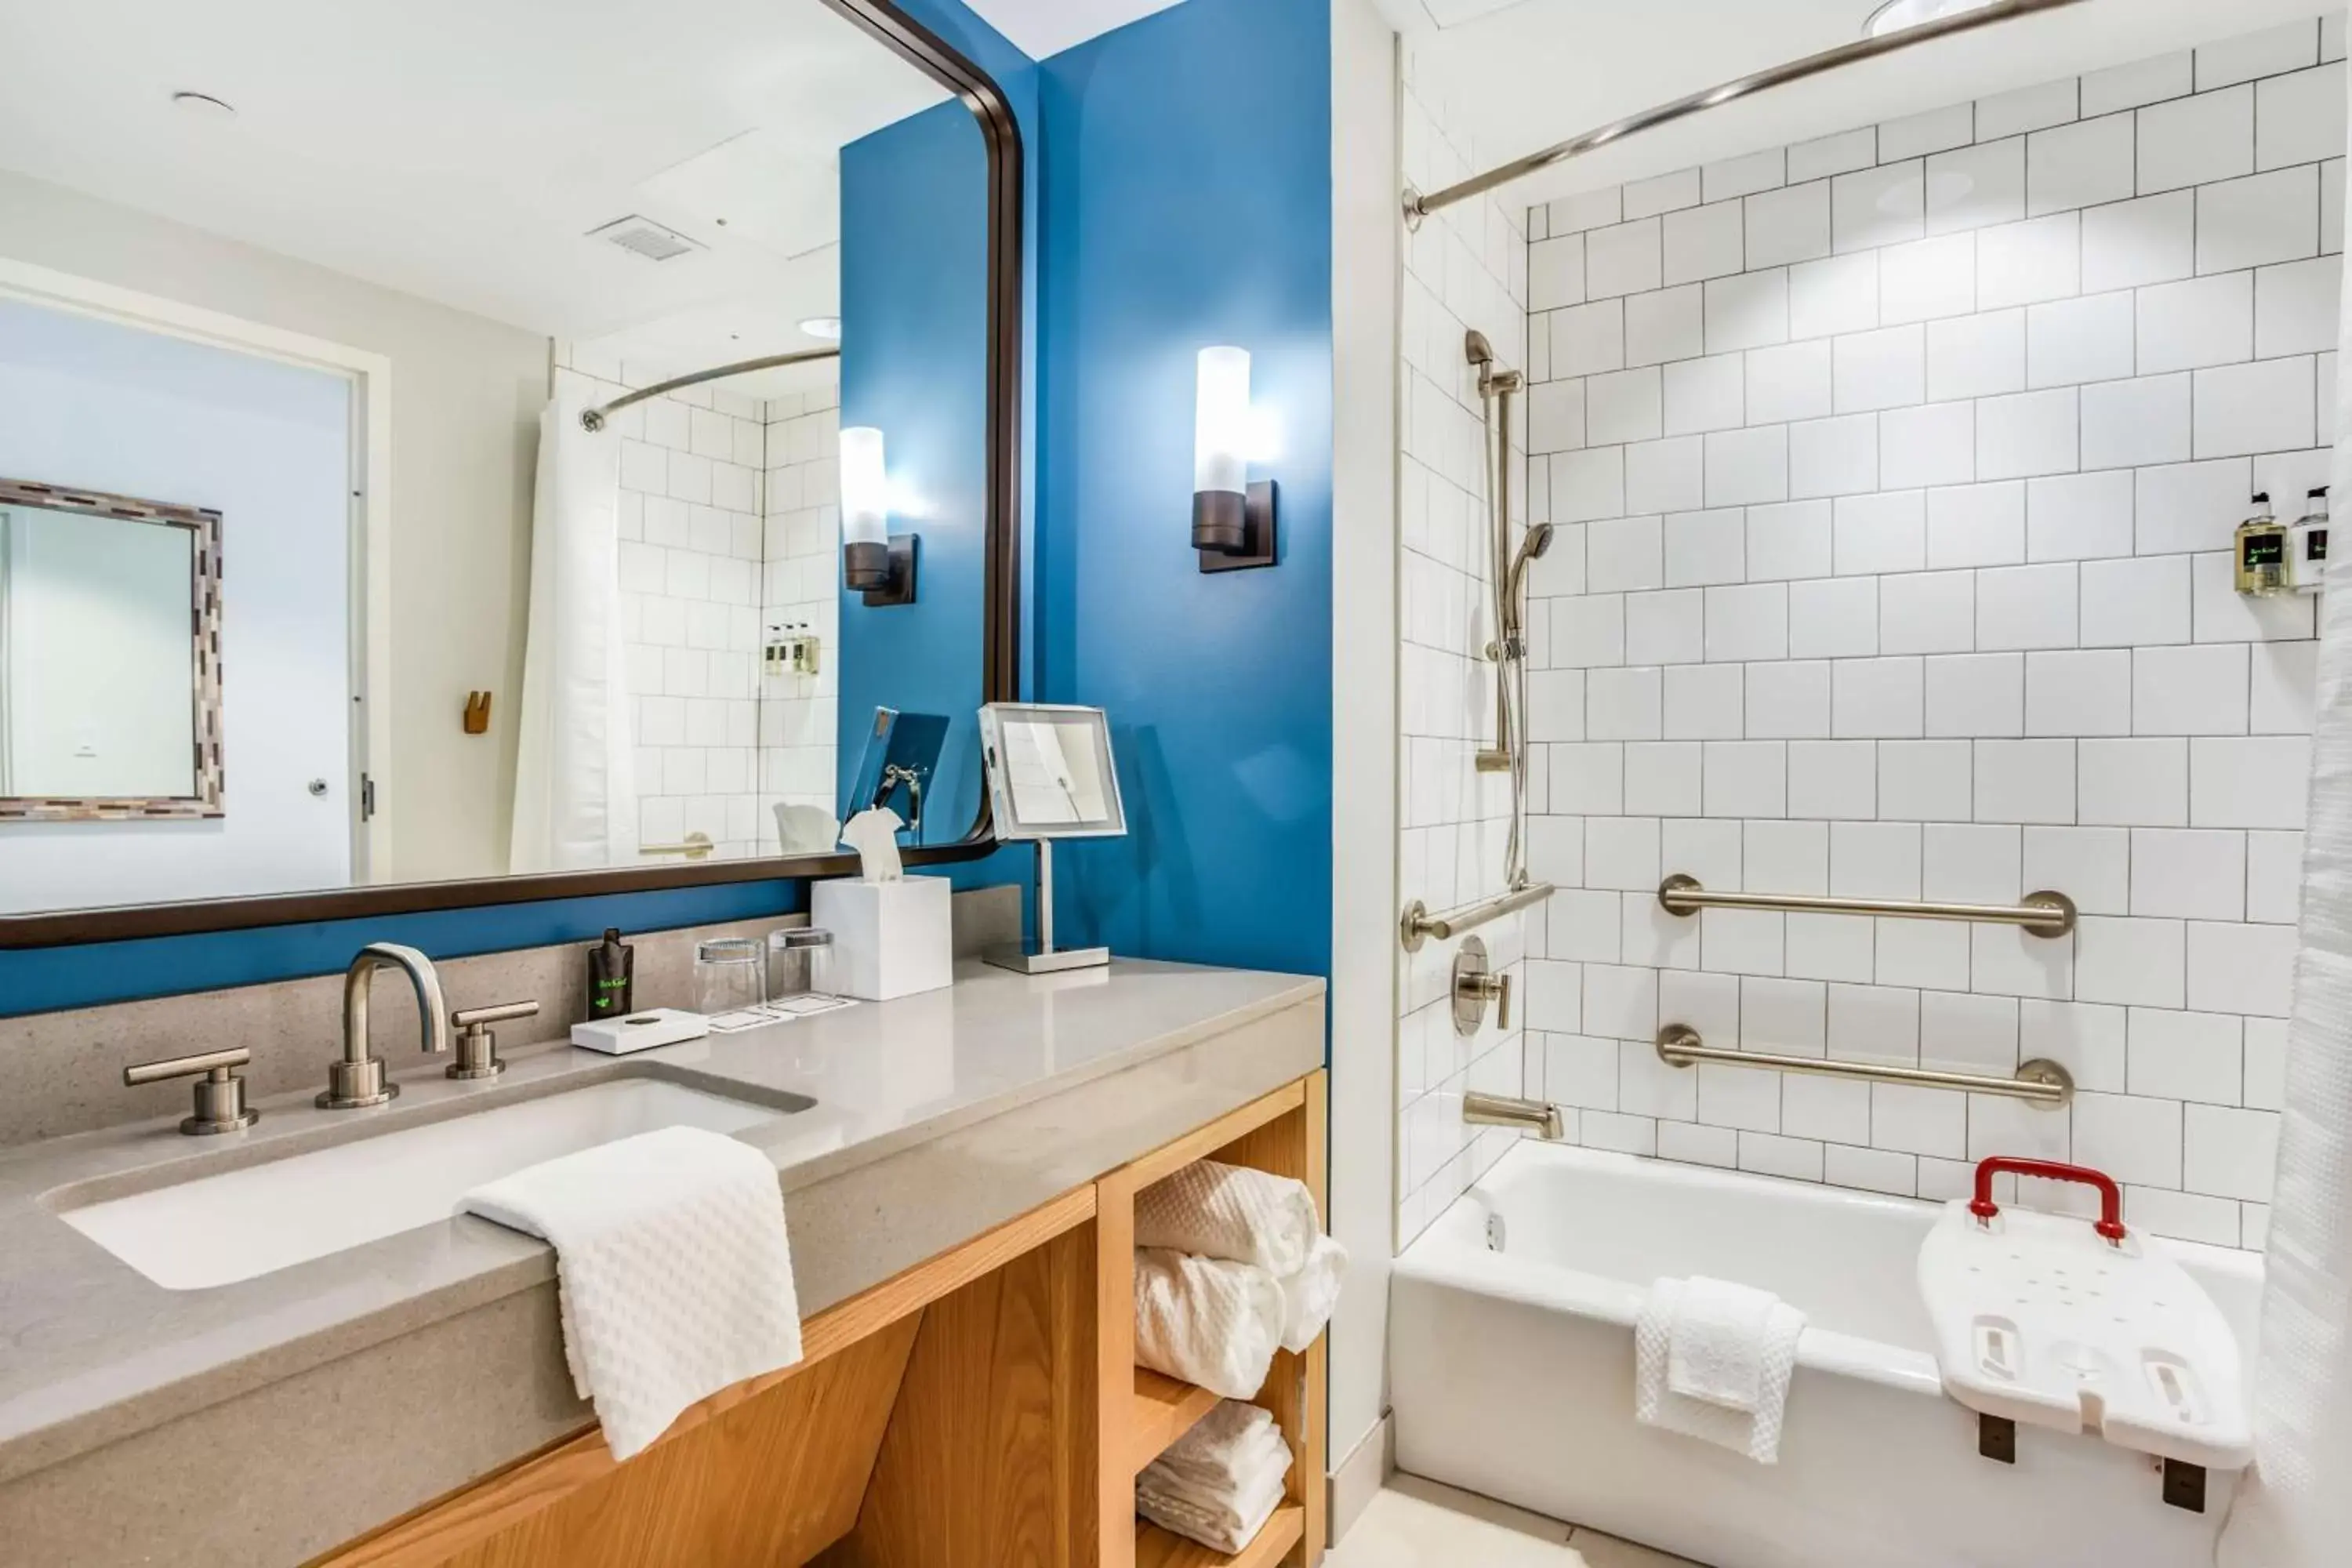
(2111, 1198)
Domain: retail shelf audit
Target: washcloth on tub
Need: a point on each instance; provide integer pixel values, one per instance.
(1206, 1320)
(672, 1267)
(1729, 1350)
(1220, 1482)
(1309, 1295)
(1231, 1212)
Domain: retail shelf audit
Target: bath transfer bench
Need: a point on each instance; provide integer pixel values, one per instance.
(2079, 1327)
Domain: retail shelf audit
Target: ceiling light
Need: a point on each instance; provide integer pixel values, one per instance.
(1896, 15)
(205, 104)
(825, 327)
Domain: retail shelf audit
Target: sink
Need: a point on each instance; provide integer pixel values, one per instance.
(242, 1224)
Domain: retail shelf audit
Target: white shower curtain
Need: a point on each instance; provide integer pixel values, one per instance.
(575, 802)
(2297, 1509)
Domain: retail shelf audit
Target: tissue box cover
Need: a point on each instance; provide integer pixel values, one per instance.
(889, 939)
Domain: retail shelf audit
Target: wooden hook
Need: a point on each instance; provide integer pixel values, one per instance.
(478, 714)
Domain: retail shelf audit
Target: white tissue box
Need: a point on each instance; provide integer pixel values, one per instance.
(889, 939)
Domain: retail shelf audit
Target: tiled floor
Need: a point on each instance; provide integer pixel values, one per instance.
(1415, 1523)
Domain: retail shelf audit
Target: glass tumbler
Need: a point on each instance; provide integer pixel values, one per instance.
(730, 973)
(792, 960)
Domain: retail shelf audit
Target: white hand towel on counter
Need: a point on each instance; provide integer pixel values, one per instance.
(673, 1268)
(1220, 1482)
(1206, 1320)
(1716, 1351)
(1309, 1295)
(1755, 1433)
(1231, 1212)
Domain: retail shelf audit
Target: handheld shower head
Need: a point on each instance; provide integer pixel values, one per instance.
(1531, 548)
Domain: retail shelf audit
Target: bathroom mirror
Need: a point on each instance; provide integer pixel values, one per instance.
(1050, 774)
(421, 451)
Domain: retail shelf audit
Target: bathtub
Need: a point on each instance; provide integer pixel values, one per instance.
(1512, 1374)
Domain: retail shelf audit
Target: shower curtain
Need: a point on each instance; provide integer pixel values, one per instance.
(2296, 1511)
(575, 802)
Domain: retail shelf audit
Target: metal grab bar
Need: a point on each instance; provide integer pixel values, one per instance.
(2041, 914)
(1418, 924)
(698, 846)
(2040, 1083)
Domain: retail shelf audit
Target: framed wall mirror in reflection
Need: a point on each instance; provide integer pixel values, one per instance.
(601, 442)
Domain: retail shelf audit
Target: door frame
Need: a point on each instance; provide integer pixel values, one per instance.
(369, 447)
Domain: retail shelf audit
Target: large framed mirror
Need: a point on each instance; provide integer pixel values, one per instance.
(580, 462)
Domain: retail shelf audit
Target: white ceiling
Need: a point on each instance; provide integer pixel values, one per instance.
(460, 149)
(1043, 27)
(1539, 71)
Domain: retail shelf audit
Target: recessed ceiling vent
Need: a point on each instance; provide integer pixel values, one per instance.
(644, 236)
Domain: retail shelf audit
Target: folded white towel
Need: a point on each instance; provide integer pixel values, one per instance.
(672, 1266)
(1309, 1295)
(1227, 1451)
(1231, 1212)
(1206, 1320)
(1220, 1482)
(1717, 1349)
(1756, 1433)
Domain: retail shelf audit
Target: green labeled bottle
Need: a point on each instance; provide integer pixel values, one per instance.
(611, 977)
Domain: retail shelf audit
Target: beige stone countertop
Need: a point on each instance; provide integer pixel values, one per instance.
(95, 1351)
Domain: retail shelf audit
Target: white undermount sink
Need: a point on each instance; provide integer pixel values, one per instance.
(243, 1223)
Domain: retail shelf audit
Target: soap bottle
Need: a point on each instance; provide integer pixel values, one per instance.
(2306, 546)
(612, 978)
(2262, 551)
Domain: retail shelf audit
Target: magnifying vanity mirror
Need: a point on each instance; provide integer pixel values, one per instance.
(423, 486)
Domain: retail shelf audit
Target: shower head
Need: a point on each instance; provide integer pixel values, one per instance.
(1538, 540)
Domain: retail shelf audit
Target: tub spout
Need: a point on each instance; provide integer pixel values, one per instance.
(1502, 1111)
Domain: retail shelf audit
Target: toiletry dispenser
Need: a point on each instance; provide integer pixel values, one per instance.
(2306, 545)
(2261, 552)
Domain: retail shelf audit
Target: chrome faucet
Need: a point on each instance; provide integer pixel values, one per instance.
(357, 1078)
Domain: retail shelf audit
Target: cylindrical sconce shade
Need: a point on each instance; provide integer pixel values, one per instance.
(865, 488)
(1220, 420)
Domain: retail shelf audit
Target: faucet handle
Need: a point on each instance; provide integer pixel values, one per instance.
(220, 1094)
(477, 1043)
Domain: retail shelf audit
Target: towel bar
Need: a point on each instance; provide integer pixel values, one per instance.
(2041, 914)
(2040, 1083)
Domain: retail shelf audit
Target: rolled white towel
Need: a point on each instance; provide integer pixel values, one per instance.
(1206, 1320)
(1231, 1212)
(1309, 1295)
(1227, 1452)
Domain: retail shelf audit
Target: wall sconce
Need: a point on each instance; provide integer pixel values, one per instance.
(873, 561)
(1232, 519)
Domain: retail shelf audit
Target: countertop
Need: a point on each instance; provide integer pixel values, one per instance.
(96, 1352)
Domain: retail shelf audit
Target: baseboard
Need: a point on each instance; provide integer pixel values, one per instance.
(1359, 1476)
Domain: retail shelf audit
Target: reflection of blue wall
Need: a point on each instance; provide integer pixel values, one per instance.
(1187, 202)
(914, 363)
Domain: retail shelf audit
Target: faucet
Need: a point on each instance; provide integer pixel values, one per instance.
(357, 1078)
(1504, 1111)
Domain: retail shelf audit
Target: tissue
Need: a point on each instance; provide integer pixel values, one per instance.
(874, 833)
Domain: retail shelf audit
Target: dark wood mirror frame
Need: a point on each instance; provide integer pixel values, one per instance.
(1000, 634)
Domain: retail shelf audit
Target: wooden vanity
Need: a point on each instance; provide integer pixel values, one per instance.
(980, 1408)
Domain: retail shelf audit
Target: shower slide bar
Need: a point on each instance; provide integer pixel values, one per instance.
(2041, 914)
(2040, 1083)
(1418, 924)
(594, 419)
(1418, 206)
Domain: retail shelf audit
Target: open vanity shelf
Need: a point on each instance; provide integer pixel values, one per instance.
(982, 1408)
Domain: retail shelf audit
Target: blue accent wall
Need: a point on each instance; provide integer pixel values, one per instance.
(42, 980)
(1187, 202)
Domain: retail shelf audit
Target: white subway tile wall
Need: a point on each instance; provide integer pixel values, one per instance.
(1473, 267)
(721, 497)
(1893, 477)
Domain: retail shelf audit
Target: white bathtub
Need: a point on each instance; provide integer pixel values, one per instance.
(1512, 1376)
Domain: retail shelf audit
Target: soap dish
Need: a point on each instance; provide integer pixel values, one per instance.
(640, 1031)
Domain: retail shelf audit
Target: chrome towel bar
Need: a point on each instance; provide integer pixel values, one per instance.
(1418, 924)
(2041, 914)
(2040, 1083)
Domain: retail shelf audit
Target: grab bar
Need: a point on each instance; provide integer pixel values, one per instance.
(1418, 924)
(2040, 1083)
(2041, 914)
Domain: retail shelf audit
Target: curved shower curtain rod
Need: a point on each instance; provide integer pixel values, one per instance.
(594, 418)
(1418, 206)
